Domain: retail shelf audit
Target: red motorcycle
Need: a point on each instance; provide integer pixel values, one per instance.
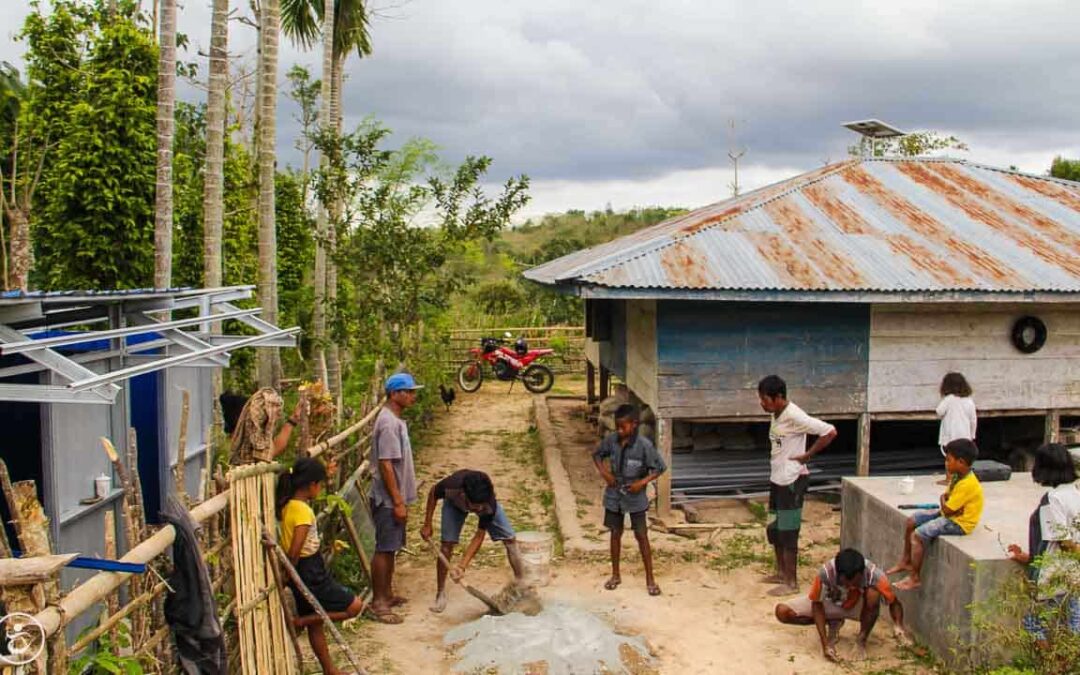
(508, 364)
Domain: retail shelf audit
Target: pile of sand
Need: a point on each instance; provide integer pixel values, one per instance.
(560, 640)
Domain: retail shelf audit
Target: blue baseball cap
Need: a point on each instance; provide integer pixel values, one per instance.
(401, 382)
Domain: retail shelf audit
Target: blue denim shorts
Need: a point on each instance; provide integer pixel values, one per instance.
(1035, 623)
(930, 525)
(453, 519)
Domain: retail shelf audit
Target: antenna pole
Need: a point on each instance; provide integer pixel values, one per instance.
(734, 155)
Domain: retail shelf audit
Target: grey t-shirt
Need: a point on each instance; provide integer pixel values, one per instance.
(638, 459)
(390, 440)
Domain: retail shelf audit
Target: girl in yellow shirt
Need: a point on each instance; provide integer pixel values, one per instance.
(300, 538)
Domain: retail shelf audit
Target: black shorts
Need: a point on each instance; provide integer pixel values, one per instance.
(616, 520)
(331, 595)
(785, 512)
(389, 533)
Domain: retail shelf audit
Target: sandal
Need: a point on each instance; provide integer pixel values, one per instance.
(654, 590)
(612, 583)
(387, 616)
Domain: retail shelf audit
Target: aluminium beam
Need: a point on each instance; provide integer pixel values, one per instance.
(178, 360)
(256, 323)
(285, 342)
(60, 365)
(49, 393)
(61, 340)
(180, 338)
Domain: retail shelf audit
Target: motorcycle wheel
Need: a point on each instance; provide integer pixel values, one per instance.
(537, 379)
(470, 376)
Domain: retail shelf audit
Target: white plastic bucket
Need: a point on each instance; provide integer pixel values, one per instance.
(536, 549)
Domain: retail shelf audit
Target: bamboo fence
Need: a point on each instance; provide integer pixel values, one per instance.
(139, 607)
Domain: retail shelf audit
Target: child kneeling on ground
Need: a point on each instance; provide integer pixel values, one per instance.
(628, 462)
(961, 508)
(847, 587)
(300, 538)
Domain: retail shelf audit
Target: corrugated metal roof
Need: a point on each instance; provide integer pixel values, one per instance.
(863, 225)
(107, 296)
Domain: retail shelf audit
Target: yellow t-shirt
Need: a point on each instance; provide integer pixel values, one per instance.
(966, 494)
(295, 514)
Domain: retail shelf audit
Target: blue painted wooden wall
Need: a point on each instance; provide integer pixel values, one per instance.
(712, 355)
(613, 351)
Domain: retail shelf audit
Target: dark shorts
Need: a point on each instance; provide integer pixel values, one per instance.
(616, 520)
(453, 519)
(389, 533)
(785, 512)
(331, 595)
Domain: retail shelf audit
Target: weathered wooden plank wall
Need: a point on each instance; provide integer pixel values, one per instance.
(712, 355)
(913, 346)
(613, 351)
(641, 361)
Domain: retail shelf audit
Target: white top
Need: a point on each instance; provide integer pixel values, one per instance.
(1060, 521)
(787, 433)
(958, 419)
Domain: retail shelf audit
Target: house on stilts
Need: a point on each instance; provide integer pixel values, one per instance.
(861, 283)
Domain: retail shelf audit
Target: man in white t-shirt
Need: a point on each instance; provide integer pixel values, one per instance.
(788, 476)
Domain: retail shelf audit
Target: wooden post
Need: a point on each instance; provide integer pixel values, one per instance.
(33, 528)
(664, 433)
(590, 383)
(180, 470)
(1052, 430)
(112, 604)
(605, 382)
(863, 452)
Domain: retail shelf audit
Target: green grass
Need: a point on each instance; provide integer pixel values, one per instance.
(740, 550)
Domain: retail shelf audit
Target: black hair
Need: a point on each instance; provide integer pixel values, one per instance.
(304, 472)
(627, 411)
(1053, 465)
(478, 488)
(231, 405)
(964, 449)
(772, 386)
(849, 563)
(955, 384)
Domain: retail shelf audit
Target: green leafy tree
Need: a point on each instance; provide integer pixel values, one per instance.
(94, 225)
(1069, 169)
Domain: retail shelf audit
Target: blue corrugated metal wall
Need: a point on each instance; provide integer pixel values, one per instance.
(712, 354)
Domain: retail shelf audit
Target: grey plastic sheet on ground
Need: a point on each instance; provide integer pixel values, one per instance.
(567, 640)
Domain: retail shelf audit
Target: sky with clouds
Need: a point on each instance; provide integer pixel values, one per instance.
(630, 103)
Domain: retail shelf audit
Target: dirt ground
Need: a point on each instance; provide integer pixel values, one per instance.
(713, 616)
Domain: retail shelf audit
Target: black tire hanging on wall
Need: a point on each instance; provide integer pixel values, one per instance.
(1029, 334)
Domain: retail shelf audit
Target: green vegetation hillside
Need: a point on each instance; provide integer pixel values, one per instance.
(498, 295)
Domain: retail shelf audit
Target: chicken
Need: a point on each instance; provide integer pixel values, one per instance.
(447, 396)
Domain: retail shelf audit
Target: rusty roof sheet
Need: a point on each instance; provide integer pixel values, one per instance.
(864, 225)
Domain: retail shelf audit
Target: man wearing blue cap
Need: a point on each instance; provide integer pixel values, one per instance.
(393, 488)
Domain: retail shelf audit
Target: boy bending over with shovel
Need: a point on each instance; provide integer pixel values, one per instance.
(464, 492)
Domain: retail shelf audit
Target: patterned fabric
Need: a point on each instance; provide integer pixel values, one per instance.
(253, 439)
(826, 586)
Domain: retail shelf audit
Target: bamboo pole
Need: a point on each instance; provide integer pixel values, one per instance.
(180, 470)
(136, 482)
(113, 602)
(27, 599)
(319, 448)
(132, 528)
(33, 527)
(94, 589)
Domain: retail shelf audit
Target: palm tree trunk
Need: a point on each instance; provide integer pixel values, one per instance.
(22, 253)
(269, 28)
(321, 224)
(166, 102)
(333, 356)
(214, 178)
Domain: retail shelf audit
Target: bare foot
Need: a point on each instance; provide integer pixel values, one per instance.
(653, 589)
(772, 579)
(901, 636)
(440, 603)
(783, 590)
(612, 583)
(899, 567)
(830, 654)
(909, 584)
(860, 650)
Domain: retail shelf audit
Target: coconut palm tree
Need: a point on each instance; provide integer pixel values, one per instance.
(268, 360)
(305, 22)
(166, 104)
(214, 177)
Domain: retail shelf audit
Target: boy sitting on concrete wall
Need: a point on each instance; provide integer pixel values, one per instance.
(961, 508)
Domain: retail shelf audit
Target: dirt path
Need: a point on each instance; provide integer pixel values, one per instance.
(713, 616)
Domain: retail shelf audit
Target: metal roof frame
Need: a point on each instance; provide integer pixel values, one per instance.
(128, 313)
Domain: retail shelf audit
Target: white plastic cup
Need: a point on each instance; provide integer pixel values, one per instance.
(907, 485)
(103, 485)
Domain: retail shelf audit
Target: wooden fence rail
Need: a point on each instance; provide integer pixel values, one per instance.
(568, 342)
